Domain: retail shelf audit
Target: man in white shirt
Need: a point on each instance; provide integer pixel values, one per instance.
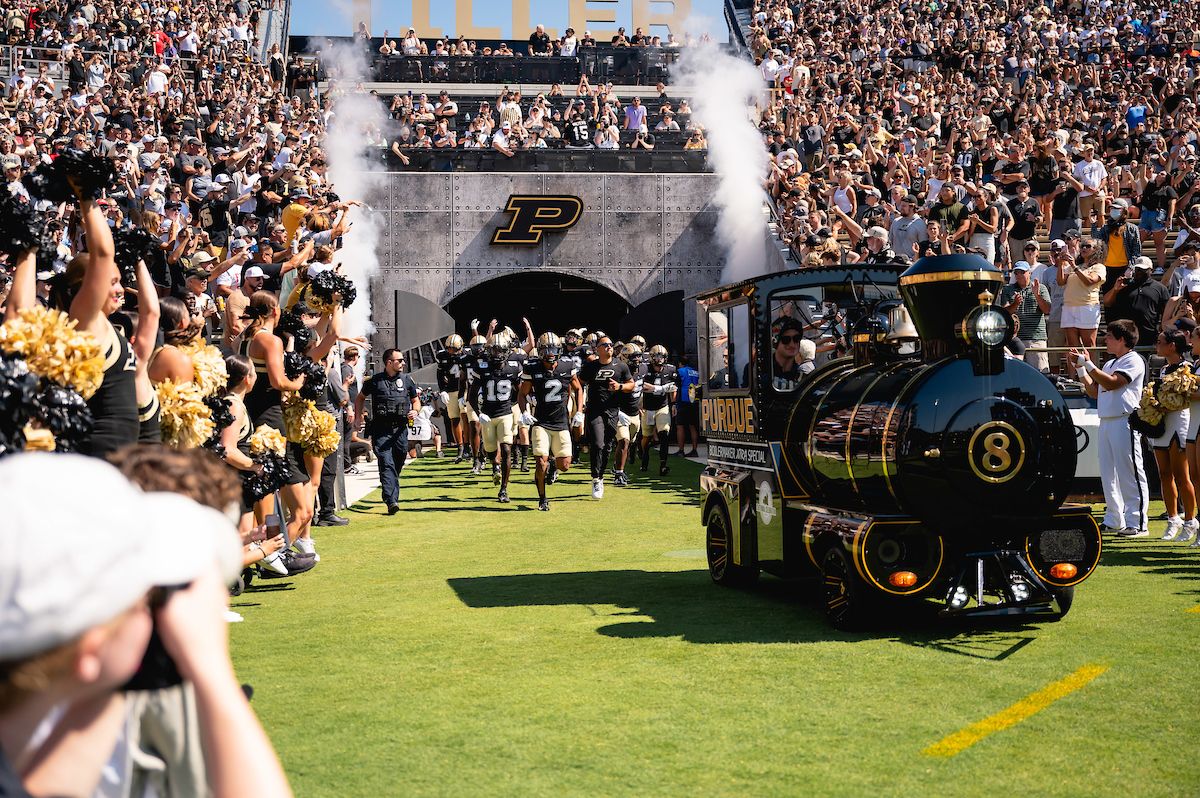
(1117, 388)
(1091, 172)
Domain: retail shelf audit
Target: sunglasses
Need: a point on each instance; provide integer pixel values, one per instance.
(1086, 246)
(605, 344)
(790, 339)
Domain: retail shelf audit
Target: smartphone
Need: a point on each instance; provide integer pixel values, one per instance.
(274, 525)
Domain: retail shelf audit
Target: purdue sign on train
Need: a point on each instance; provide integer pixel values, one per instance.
(922, 465)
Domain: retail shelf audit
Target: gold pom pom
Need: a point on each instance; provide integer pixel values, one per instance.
(185, 420)
(208, 369)
(315, 430)
(318, 305)
(267, 439)
(55, 349)
(39, 439)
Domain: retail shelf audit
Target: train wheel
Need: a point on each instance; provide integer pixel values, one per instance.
(1065, 598)
(842, 591)
(719, 541)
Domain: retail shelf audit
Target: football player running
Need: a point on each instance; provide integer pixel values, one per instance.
(605, 378)
(498, 383)
(629, 413)
(449, 380)
(473, 363)
(660, 384)
(554, 384)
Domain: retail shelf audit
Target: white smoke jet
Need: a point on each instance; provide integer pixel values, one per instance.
(357, 119)
(723, 88)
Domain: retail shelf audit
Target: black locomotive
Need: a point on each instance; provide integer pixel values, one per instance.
(916, 463)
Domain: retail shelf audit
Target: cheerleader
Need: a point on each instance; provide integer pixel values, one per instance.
(1187, 532)
(149, 313)
(264, 404)
(1170, 449)
(236, 440)
(169, 361)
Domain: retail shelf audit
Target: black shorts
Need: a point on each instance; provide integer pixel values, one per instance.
(687, 414)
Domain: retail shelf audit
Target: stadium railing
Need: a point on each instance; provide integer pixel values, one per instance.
(627, 65)
(549, 160)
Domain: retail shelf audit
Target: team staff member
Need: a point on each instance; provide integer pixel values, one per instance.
(395, 403)
(687, 411)
(554, 384)
(659, 388)
(604, 378)
(1117, 388)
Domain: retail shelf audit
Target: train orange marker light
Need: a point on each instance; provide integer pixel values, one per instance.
(903, 579)
(1063, 570)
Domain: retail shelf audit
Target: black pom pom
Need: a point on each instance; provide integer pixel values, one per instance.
(18, 401)
(132, 244)
(222, 418)
(89, 174)
(258, 486)
(314, 373)
(46, 183)
(65, 413)
(291, 324)
(328, 283)
(21, 225)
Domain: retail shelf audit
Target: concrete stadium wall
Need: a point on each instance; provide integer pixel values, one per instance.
(639, 235)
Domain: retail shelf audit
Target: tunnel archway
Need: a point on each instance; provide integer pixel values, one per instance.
(550, 301)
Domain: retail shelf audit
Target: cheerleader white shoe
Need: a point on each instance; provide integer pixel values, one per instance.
(1188, 531)
(306, 546)
(1174, 527)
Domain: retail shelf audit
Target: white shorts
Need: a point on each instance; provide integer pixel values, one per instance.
(497, 431)
(656, 420)
(1081, 317)
(453, 408)
(550, 442)
(627, 432)
(1177, 424)
(470, 413)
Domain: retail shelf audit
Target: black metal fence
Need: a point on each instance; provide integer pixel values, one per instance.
(626, 65)
(549, 160)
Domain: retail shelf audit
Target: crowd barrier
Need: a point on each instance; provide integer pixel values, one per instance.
(549, 160)
(625, 65)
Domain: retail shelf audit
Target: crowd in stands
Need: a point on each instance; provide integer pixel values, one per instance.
(172, 303)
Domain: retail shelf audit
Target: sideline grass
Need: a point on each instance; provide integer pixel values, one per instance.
(464, 647)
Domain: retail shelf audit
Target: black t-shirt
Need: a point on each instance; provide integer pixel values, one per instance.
(551, 387)
(1142, 303)
(1025, 218)
(595, 375)
(272, 281)
(1158, 198)
(539, 42)
(1066, 204)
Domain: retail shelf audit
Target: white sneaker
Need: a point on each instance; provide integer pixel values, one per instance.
(597, 489)
(307, 546)
(274, 562)
(233, 617)
(1130, 532)
(1195, 543)
(1189, 530)
(1174, 527)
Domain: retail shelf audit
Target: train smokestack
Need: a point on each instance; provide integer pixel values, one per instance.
(940, 292)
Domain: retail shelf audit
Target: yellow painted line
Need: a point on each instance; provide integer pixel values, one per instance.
(1194, 609)
(1027, 707)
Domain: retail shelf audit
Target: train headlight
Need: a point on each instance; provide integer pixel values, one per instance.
(990, 328)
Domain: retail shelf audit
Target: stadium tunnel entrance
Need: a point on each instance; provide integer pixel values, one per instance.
(549, 300)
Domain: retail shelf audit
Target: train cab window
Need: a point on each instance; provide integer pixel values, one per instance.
(726, 341)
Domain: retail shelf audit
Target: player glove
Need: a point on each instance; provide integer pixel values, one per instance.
(527, 419)
(445, 397)
(577, 421)
(622, 419)
(484, 419)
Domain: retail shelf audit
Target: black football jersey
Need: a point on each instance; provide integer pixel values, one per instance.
(497, 389)
(630, 403)
(449, 372)
(551, 387)
(664, 376)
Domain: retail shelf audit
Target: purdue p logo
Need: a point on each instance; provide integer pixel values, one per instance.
(533, 215)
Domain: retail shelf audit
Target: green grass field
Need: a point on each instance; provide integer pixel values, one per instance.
(464, 647)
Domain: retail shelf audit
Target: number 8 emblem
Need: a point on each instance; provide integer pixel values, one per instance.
(996, 452)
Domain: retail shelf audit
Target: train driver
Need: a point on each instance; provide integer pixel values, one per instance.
(786, 371)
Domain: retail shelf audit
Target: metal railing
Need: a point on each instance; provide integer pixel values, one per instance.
(628, 65)
(548, 160)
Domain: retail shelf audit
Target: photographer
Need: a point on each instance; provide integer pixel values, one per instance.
(642, 141)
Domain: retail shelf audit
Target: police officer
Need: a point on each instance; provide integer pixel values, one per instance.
(395, 403)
